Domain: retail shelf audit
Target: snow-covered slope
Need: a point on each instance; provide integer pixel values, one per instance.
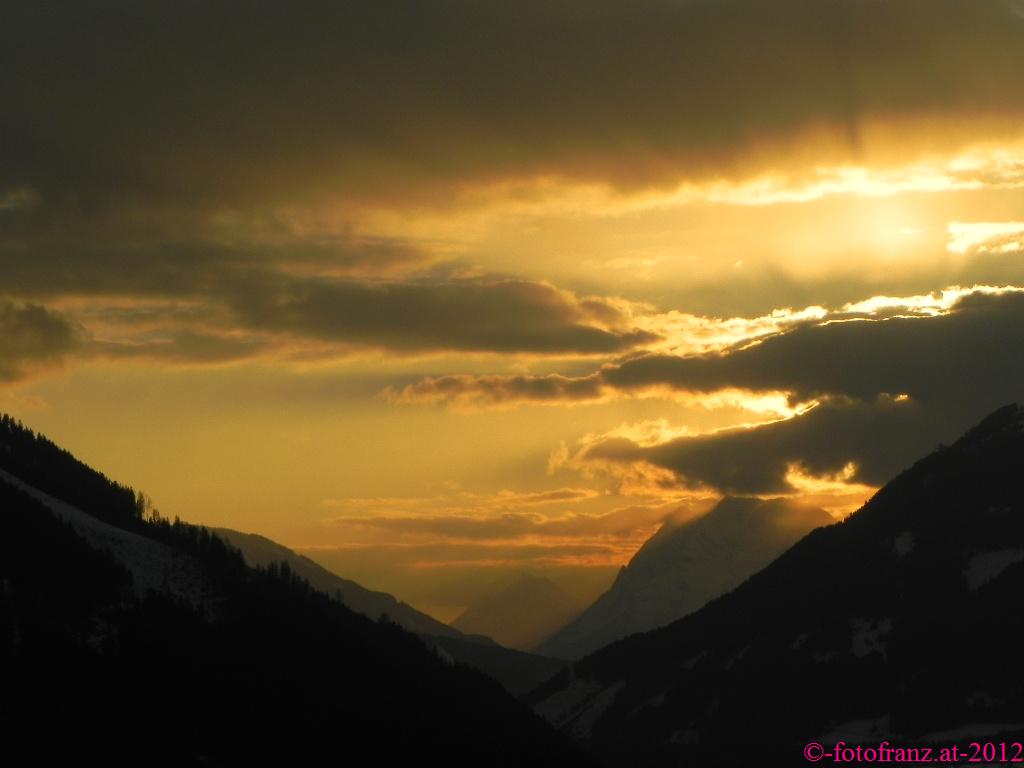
(152, 565)
(261, 551)
(682, 567)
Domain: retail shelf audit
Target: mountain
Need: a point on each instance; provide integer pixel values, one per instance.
(901, 623)
(520, 614)
(129, 639)
(261, 551)
(683, 566)
(517, 671)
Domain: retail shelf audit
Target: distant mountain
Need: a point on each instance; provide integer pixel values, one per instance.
(901, 623)
(682, 567)
(126, 639)
(520, 614)
(519, 672)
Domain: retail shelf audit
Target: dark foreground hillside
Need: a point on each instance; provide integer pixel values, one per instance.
(517, 671)
(244, 667)
(902, 623)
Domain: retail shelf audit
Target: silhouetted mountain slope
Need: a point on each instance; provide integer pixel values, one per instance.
(261, 551)
(901, 622)
(517, 671)
(152, 565)
(683, 566)
(521, 614)
(266, 671)
(43, 465)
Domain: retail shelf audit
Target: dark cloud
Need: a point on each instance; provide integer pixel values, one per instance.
(952, 368)
(230, 102)
(548, 497)
(500, 390)
(123, 259)
(30, 336)
(882, 437)
(624, 523)
(856, 356)
(318, 290)
(955, 369)
(971, 354)
(478, 315)
(502, 526)
(252, 311)
(184, 347)
(351, 290)
(155, 149)
(389, 560)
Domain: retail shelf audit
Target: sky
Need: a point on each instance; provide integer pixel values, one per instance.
(434, 291)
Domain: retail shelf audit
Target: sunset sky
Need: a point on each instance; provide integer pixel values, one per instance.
(420, 288)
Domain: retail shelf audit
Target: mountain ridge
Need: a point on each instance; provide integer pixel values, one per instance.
(260, 550)
(682, 566)
(520, 614)
(901, 617)
(517, 670)
(266, 671)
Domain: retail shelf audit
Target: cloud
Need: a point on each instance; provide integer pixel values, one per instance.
(32, 336)
(129, 258)
(496, 537)
(183, 347)
(932, 358)
(632, 525)
(888, 391)
(466, 315)
(158, 101)
(880, 437)
(266, 274)
(986, 237)
(388, 561)
(974, 168)
(849, 398)
(457, 499)
(310, 294)
(881, 345)
(467, 392)
(148, 153)
(515, 522)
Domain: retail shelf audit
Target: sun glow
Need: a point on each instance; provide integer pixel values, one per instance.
(986, 237)
(837, 493)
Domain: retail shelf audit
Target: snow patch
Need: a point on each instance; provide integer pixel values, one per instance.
(583, 726)
(987, 566)
(693, 661)
(903, 544)
(152, 565)
(738, 656)
(578, 706)
(445, 657)
(657, 701)
(686, 735)
(857, 731)
(969, 730)
(566, 705)
(981, 699)
(867, 637)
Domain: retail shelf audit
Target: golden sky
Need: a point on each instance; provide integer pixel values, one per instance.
(429, 287)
